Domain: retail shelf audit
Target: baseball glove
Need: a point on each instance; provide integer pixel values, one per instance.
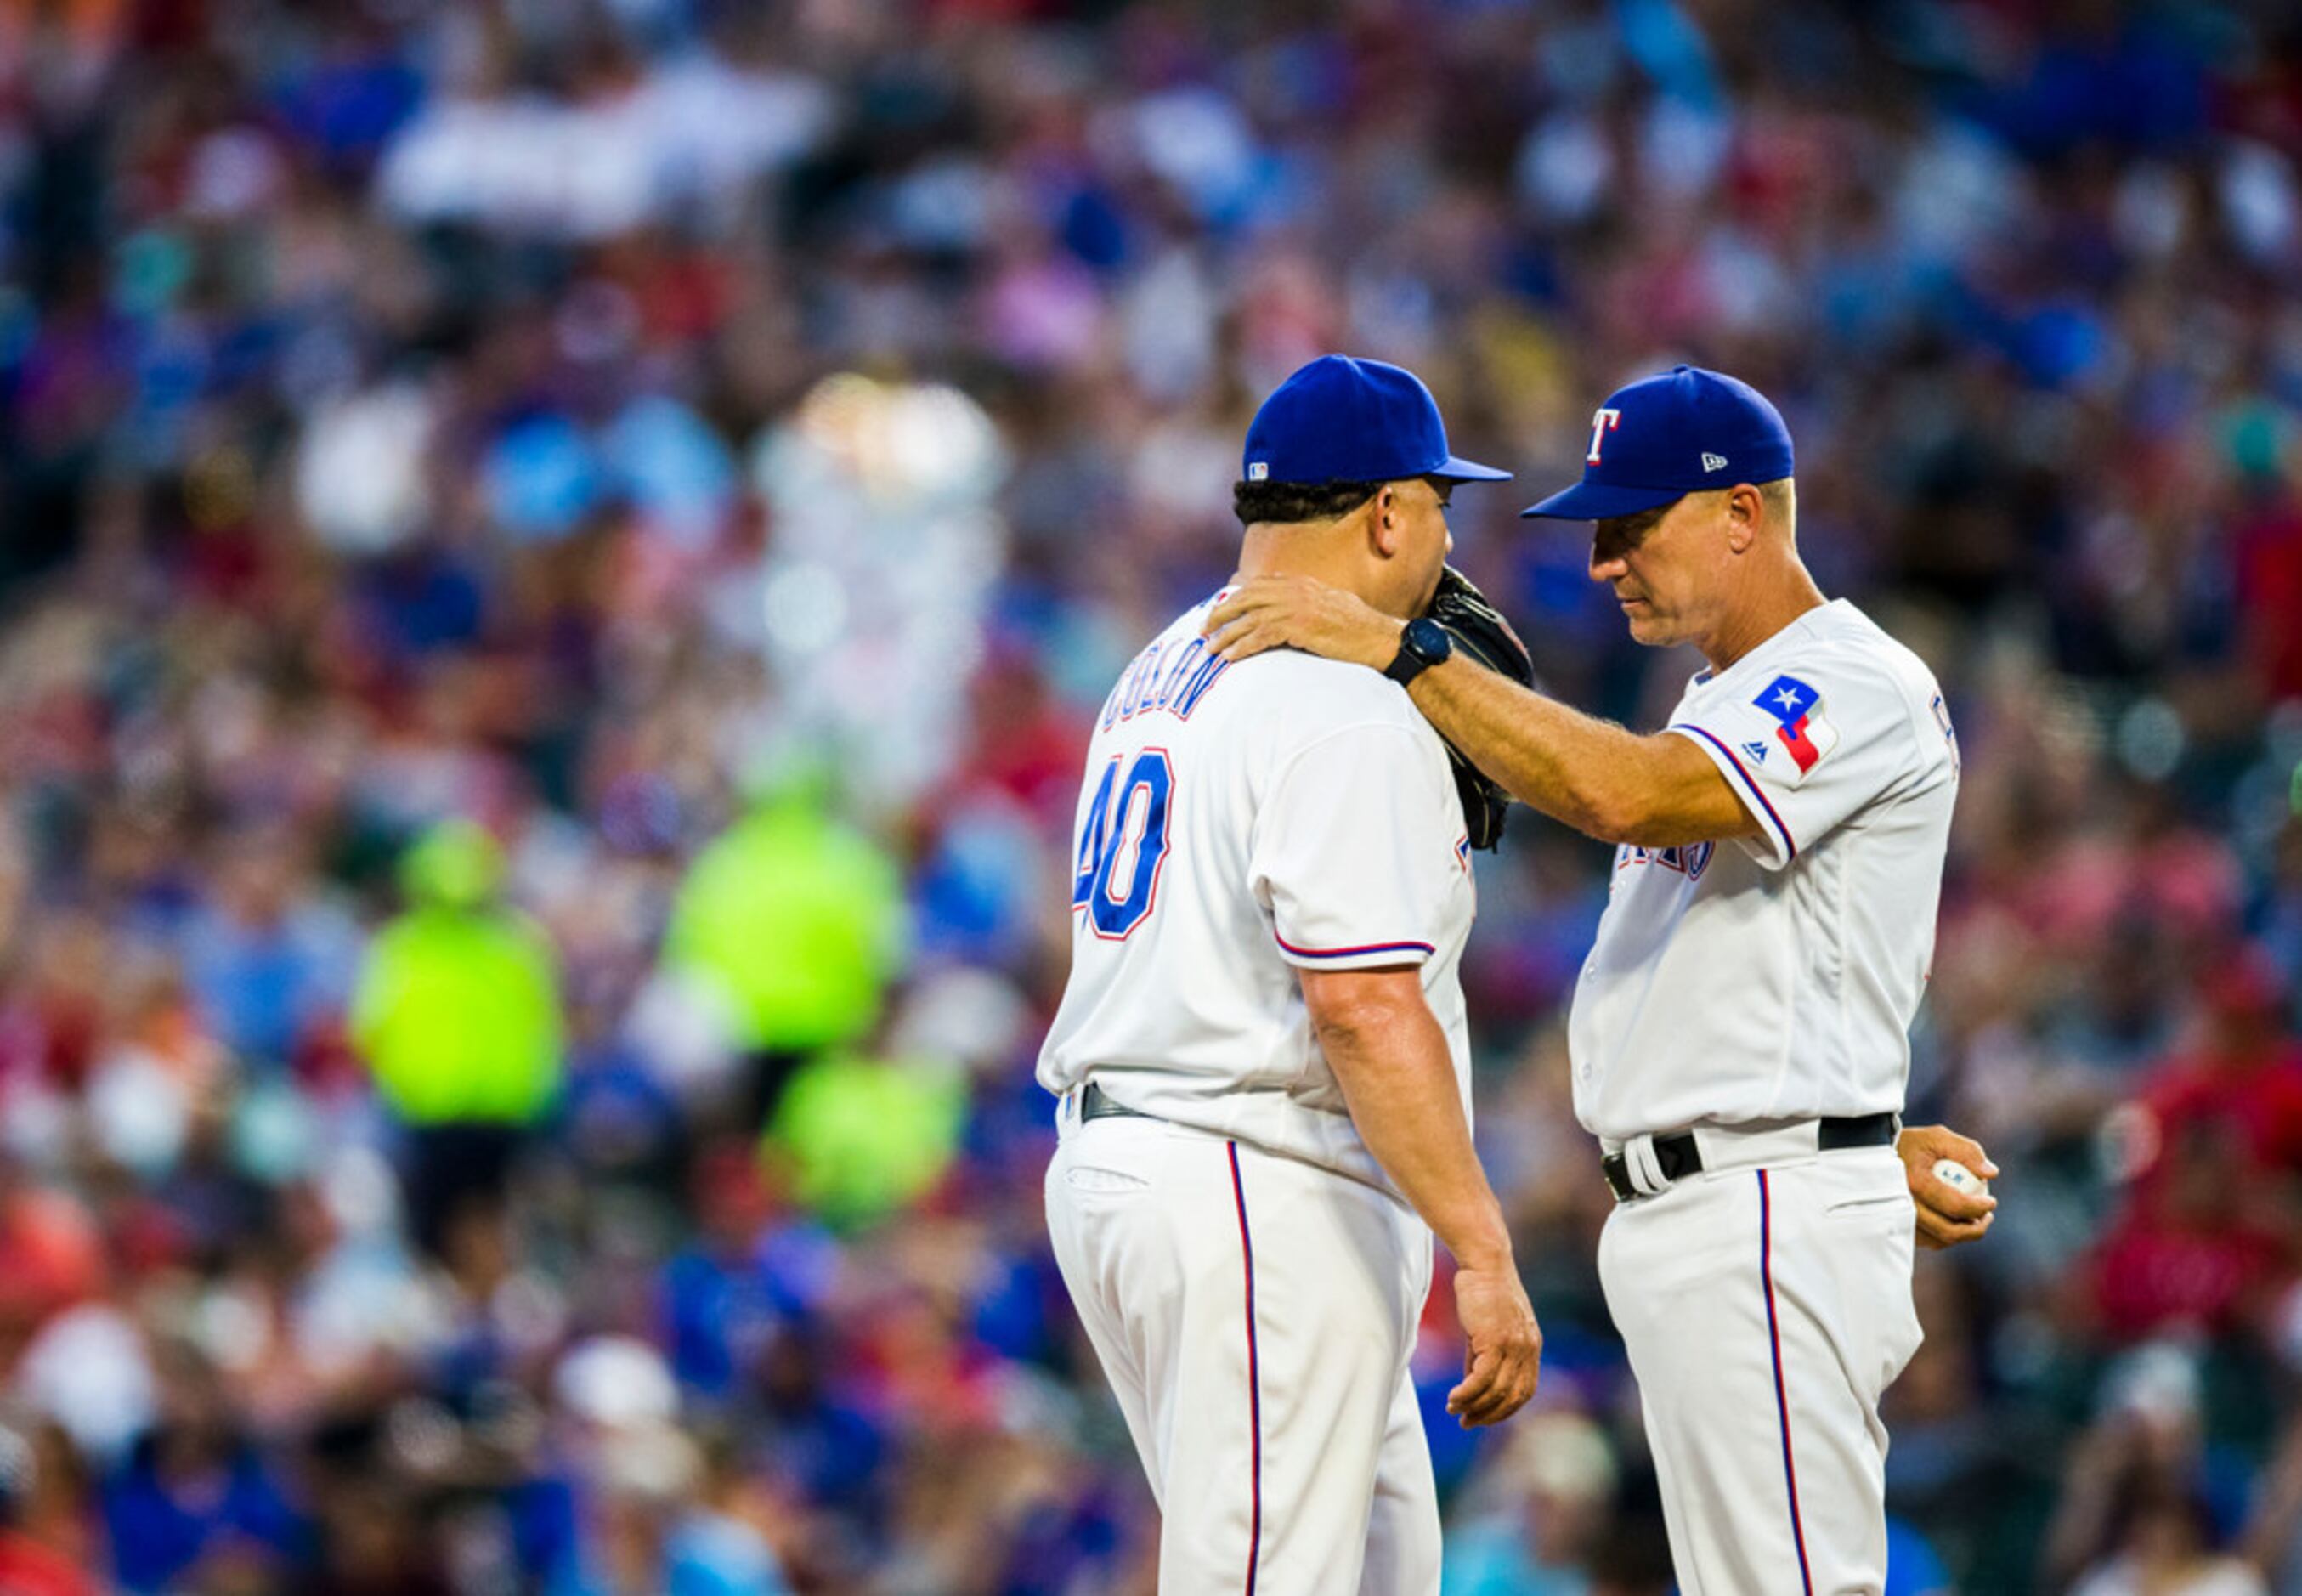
(1480, 631)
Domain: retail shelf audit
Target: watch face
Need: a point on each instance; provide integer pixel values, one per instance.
(1421, 642)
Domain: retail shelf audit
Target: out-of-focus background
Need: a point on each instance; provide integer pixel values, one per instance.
(554, 561)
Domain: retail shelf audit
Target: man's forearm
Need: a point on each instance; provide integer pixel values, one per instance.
(1657, 790)
(1573, 766)
(1398, 1079)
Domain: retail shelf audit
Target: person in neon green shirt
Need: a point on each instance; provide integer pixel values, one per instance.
(857, 1136)
(794, 920)
(458, 1016)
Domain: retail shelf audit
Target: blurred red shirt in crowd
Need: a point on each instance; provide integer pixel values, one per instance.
(2213, 1214)
(2269, 551)
(28, 1568)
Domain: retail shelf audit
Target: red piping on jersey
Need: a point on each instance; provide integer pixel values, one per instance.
(1782, 1393)
(1345, 953)
(1782, 830)
(1254, 1380)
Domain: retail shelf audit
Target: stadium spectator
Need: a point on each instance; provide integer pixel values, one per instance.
(789, 923)
(2214, 1219)
(457, 1014)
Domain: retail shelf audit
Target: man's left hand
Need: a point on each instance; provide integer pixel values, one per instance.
(1300, 612)
(1947, 1216)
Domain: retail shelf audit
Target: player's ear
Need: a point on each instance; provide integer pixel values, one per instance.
(1743, 510)
(1385, 524)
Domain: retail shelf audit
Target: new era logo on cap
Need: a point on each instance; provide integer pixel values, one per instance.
(1667, 436)
(1259, 471)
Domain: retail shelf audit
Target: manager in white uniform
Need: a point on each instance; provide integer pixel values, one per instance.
(1262, 1052)
(1740, 1034)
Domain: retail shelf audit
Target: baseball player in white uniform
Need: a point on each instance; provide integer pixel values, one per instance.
(1739, 1036)
(1261, 1054)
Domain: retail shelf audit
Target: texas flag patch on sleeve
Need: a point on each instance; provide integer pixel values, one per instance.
(1801, 729)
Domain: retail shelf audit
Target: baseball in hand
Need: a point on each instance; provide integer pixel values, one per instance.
(1951, 1172)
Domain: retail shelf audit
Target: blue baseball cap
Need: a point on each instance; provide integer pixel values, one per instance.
(1668, 436)
(1338, 419)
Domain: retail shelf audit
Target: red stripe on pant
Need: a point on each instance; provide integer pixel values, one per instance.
(1782, 1391)
(1254, 1376)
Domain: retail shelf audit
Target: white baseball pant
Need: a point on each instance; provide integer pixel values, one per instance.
(1254, 1315)
(1765, 1310)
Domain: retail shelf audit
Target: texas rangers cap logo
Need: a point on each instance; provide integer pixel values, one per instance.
(1797, 708)
(1665, 436)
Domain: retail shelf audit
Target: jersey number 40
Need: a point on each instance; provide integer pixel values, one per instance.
(1123, 845)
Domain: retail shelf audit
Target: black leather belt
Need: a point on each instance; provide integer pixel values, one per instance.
(1679, 1157)
(1095, 1105)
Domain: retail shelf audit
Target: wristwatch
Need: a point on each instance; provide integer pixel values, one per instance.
(1421, 646)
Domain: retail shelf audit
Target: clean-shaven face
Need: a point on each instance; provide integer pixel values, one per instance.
(1664, 566)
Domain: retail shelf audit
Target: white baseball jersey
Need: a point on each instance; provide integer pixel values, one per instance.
(1238, 822)
(1776, 976)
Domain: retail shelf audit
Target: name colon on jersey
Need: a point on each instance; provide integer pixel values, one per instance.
(1689, 862)
(1168, 676)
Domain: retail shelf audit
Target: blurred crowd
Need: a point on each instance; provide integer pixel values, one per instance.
(554, 559)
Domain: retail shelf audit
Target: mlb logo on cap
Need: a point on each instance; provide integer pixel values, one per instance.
(1671, 435)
